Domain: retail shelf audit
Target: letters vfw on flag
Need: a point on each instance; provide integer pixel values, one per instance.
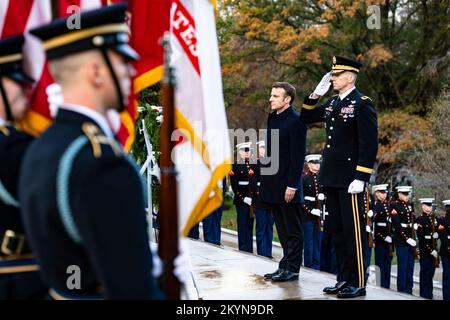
(202, 158)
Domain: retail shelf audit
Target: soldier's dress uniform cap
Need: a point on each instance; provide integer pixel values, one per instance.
(341, 64)
(102, 28)
(11, 59)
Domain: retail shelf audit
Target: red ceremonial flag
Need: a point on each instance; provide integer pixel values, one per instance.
(149, 21)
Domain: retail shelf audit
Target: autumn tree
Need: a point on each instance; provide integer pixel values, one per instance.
(405, 61)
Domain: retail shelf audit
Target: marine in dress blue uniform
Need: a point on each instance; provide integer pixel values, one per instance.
(444, 250)
(263, 215)
(347, 161)
(405, 244)
(19, 276)
(312, 212)
(382, 239)
(82, 196)
(427, 234)
(240, 175)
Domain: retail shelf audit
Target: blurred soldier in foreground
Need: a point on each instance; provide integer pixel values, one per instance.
(312, 212)
(82, 197)
(19, 278)
(382, 234)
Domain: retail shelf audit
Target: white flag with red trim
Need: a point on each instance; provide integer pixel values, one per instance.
(202, 156)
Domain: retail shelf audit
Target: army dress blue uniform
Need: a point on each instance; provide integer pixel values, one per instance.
(83, 200)
(349, 154)
(426, 260)
(19, 276)
(83, 205)
(263, 216)
(240, 184)
(402, 219)
(444, 251)
(383, 250)
(310, 222)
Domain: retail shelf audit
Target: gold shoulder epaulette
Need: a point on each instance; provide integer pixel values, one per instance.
(4, 130)
(96, 138)
(365, 98)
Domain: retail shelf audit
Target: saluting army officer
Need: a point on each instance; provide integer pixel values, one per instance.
(444, 250)
(82, 197)
(19, 278)
(349, 155)
(382, 234)
(405, 244)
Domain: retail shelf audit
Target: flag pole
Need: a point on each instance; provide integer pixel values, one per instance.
(55, 9)
(168, 209)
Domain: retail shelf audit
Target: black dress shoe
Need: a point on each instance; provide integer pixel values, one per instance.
(336, 288)
(285, 276)
(351, 292)
(273, 274)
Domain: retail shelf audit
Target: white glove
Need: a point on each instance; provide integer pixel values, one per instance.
(411, 242)
(435, 235)
(368, 229)
(388, 239)
(321, 197)
(159, 118)
(157, 264)
(356, 186)
(248, 201)
(324, 85)
(182, 263)
(415, 226)
(370, 214)
(434, 253)
(315, 212)
(54, 98)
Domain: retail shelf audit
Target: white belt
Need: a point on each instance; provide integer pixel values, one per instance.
(381, 224)
(427, 237)
(258, 184)
(243, 183)
(310, 198)
(406, 225)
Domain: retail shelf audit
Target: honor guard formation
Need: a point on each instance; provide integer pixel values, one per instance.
(73, 198)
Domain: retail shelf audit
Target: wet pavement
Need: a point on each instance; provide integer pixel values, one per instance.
(224, 273)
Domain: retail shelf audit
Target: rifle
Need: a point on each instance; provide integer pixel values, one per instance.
(413, 235)
(370, 237)
(389, 220)
(433, 240)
